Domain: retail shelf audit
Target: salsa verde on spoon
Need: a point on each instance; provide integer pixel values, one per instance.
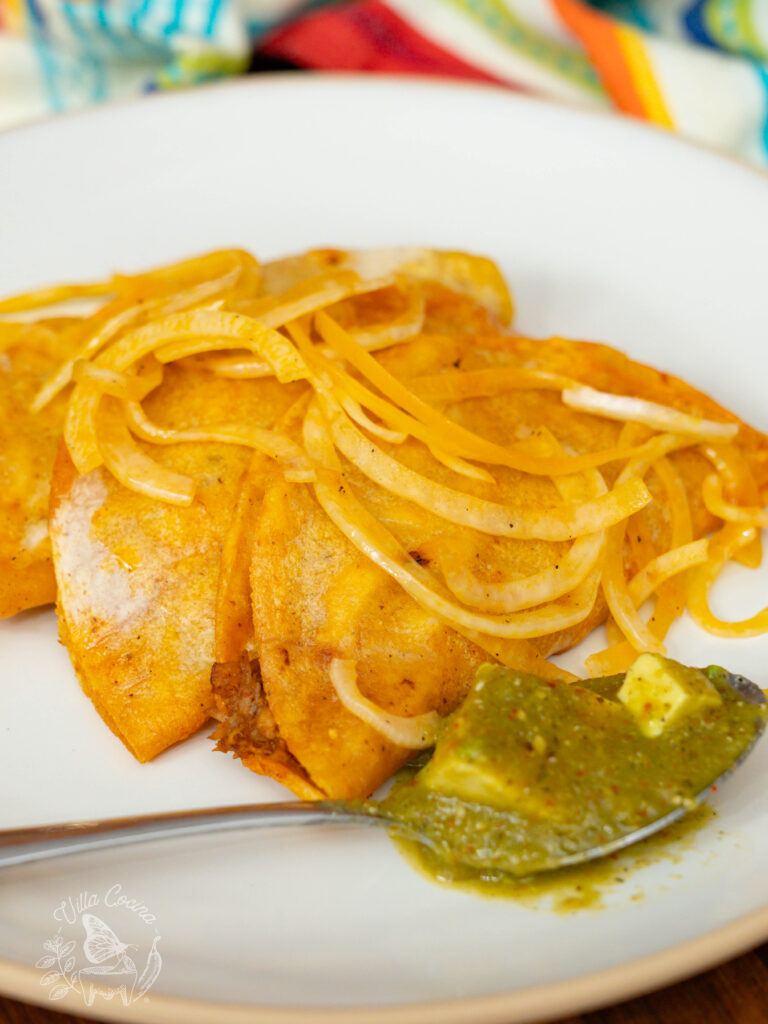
(529, 775)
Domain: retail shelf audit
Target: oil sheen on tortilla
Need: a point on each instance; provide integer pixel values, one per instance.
(316, 598)
(137, 578)
(28, 444)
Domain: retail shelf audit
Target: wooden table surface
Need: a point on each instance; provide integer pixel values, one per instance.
(736, 993)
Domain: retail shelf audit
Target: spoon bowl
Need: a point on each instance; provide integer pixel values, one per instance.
(23, 845)
(750, 693)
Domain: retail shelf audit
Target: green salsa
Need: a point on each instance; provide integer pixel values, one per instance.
(566, 890)
(528, 772)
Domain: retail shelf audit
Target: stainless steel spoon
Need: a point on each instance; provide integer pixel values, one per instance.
(19, 846)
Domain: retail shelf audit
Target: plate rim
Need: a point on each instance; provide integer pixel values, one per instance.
(374, 80)
(578, 994)
(537, 1003)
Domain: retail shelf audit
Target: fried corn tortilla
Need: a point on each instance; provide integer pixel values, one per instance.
(137, 578)
(255, 580)
(246, 723)
(477, 303)
(29, 353)
(316, 598)
(467, 276)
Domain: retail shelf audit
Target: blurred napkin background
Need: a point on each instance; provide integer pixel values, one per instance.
(699, 67)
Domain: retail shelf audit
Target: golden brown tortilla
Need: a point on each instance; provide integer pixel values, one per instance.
(28, 445)
(138, 578)
(463, 274)
(151, 595)
(315, 597)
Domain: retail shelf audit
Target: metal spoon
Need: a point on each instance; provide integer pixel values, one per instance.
(19, 846)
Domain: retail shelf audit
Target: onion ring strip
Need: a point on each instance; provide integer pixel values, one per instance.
(404, 422)
(620, 604)
(735, 472)
(564, 523)
(293, 305)
(540, 587)
(211, 331)
(415, 732)
(374, 541)
(722, 547)
(358, 416)
(248, 368)
(638, 410)
(268, 442)
(241, 367)
(128, 464)
(680, 508)
(740, 489)
(79, 427)
(394, 332)
(126, 312)
(53, 296)
(671, 596)
(317, 441)
(664, 567)
(612, 660)
(467, 469)
(518, 654)
(171, 278)
(450, 435)
(712, 493)
(127, 387)
(391, 557)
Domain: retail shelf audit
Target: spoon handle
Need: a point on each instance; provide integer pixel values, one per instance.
(21, 845)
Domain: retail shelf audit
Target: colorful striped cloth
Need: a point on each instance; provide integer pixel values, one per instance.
(699, 67)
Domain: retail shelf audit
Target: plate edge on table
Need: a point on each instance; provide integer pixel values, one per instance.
(528, 1005)
(371, 80)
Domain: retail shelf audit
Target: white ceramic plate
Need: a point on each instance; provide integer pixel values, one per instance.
(607, 230)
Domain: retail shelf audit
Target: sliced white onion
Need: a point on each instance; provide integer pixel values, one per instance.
(374, 541)
(103, 332)
(571, 570)
(565, 522)
(269, 442)
(395, 331)
(664, 567)
(461, 466)
(712, 492)
(638, 410)
(415, 733)
(356, 413)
